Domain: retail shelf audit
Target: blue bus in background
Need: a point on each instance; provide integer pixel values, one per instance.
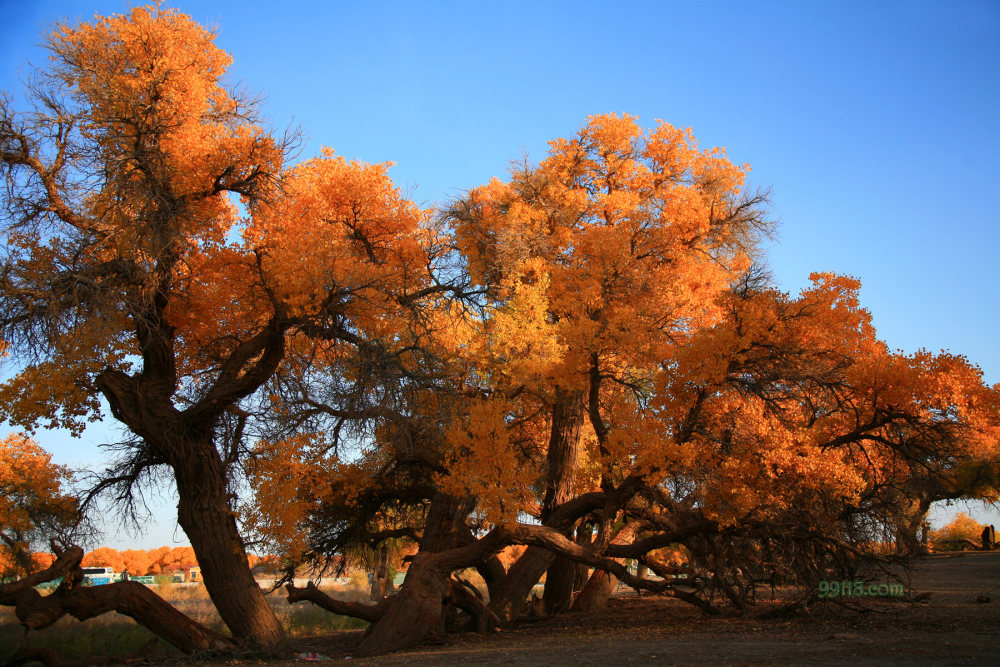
(98, 576)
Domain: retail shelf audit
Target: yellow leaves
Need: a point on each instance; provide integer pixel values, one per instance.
(610, 246)
(288, 485)
(149, 56)
(342, 230)
(31, 498)
(148, 86)
(522, 341)
(802, 407)
(483, 462)
(613, 255)
(765, 466)
(49, 392)
(613, 133)
(638, 446)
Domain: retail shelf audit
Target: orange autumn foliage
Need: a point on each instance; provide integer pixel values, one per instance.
(140, 562)
(606, 258)
(586, 343)
(200, 262)
(613, 269)
(33, 504)
(146, 81)
(962, 527)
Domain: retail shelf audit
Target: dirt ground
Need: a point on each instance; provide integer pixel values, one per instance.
(948, 628)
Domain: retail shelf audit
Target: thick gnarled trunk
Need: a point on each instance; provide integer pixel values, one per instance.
(413, 614)
(564, 444)
(508, 599)
(184, 441)
(602, 584)
(596, 592)
(204, 513)
(508, 603)
(417, 610)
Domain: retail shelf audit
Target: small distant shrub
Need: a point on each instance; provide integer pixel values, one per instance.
(164, 583)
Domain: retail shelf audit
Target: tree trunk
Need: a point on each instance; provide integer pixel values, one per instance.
(908, 525)
(491, 569)
(203, 512)
(564, 440)
(413, 613)
(988, 538)
(596, 592)
(508, 603)
(584, 537)
(131, 599)
(417, 610)
(381, 581)
(525, 572)
(493, 573)
(421, 606)
(184, 441)
(559, 581)
(602, 584)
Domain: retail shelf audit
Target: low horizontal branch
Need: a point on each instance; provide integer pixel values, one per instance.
(367, 612)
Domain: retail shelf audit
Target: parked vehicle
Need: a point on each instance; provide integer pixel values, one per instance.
(98, 576)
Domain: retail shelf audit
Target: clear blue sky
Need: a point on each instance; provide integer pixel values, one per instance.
(877, 127)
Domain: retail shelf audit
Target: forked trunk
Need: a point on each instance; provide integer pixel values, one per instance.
(204, 514)
(602, 584)
(185, 443)
(417, 610)
(508, 603)
(413, 614)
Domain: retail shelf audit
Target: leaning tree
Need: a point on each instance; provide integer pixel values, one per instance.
(160, 256)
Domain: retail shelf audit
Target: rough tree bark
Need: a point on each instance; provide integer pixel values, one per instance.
(417, 610)
(601, 585)
(184, 441)
(524, 573)
(564, 445)
(203, 511)
(381, 581)
(507, 602)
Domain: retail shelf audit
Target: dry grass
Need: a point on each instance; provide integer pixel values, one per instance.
(114, 634)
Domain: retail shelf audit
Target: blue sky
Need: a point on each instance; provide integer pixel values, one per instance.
(876, 126)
